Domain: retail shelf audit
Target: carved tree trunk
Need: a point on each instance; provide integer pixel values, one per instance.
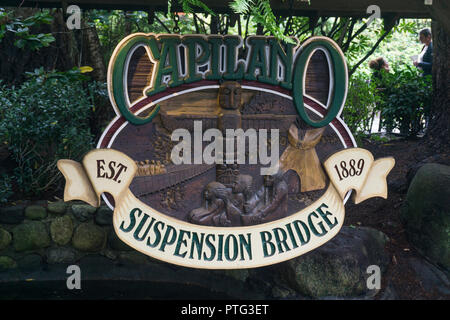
(439, 126)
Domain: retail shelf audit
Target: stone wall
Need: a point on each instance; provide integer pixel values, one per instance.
(56, 232)
(38, 241)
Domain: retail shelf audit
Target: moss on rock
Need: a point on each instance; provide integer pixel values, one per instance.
(89, 238)
(5, 238)
(61, 230)
(30, 235)
(35, 212)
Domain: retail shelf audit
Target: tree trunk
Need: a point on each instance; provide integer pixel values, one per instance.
(60, 55)
(94, 52)
(439, 126)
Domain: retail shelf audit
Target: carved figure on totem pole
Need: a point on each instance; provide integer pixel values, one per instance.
(229, 101)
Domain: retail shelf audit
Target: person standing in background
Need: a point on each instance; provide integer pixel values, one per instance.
(425, 58)
(378, 66)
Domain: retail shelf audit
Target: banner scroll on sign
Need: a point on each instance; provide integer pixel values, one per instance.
(172, 240)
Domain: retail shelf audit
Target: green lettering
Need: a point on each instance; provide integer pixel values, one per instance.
(157, 234)
(245, 243)
(325, 218)
(170, 232)
(265, 239)
(232, 72)
(211, 247)
(281, 241)
(198, 244)
(180, 242)
(303, 241)
(227, 248)
(193, 61)
(132, 220)
(313, 228)
(257, 60)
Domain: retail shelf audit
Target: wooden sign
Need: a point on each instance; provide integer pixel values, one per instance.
(224, 155)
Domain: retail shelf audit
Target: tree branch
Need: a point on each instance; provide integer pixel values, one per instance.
(162, 23)
(350, 37)
(385, 34)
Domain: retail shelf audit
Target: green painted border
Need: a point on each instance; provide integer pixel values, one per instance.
(340, 80)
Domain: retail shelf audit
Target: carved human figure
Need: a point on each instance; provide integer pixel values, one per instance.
(268, 203)
(241, 191)
(213, 210)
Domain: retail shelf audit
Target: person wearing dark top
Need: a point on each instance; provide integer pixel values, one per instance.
(425, 59)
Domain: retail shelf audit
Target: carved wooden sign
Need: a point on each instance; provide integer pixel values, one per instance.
(224, 155)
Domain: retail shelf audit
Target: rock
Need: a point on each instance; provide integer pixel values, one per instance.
(89, 237)
(116, 244)
(97, 266)
(61, 230)
(58, 207)
(12, 215)
(133, 257)
(436, 158)
(104, 216)
(61, 255)
(431, 278)
(399, 186)
(339, 267)
(426, 213)
(30, 235)
(282, 293)
(83, 212)
(238, 274)
(35, 212)
(30, 262)
(110, 254)
(7, 263)
(5, 238)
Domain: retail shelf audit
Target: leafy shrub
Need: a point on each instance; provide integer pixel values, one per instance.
(6, 190)
(22, 29)
(42, 121)
(406, 100)
(360, 104)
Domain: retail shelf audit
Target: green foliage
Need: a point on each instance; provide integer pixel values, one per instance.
(360, 105)
(188, 4)
(42, 121)
(397, 48)
(406, 100)
(113, 26)
(378, 138)
(22, 29)
(6, 190)
(262, 13)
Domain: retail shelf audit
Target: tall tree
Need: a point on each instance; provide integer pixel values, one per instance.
(439, 126)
